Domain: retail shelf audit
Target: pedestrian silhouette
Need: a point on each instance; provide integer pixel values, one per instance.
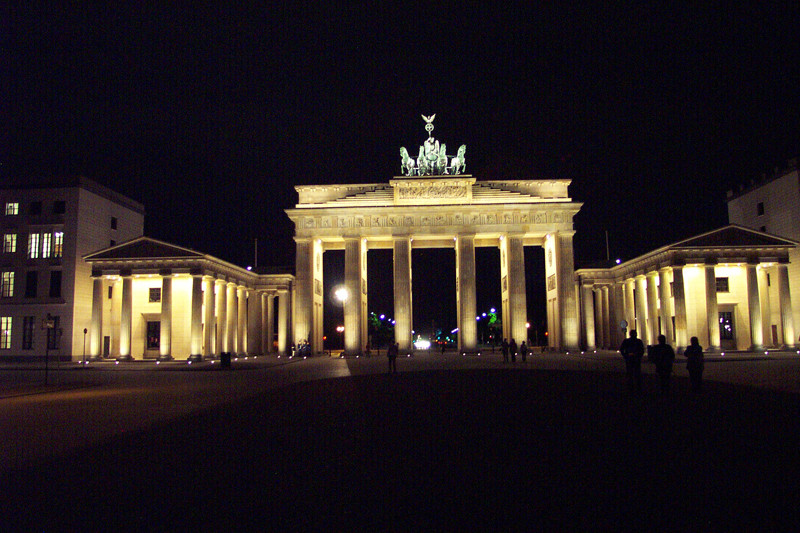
(663, 356)
(632, 351)
(512, 349)
(694, 364)
(504, 347)
(523, 351)
(391, 354)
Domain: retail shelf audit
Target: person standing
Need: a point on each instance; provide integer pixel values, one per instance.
(663, 357)
(391, 354)
(504, 347)
(632, 350)
(512, 348)
(694, 363)
(523, 351)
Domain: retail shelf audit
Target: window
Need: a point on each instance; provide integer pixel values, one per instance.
(58, 244)
(155, 294)
(47, 238)
(59, 207)
(35, 209)
(31, 283)
(5, 332)
(153, 335)
(112, 242)
(722, 285)
(763, 229)
(113, 222)
(28, 327)
(760, 208)
(12, 208)
(55, 284)
(7, 289)
(9, 243)
(33, 246)
(54, 333)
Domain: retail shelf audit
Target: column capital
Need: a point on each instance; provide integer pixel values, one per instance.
(652, 274)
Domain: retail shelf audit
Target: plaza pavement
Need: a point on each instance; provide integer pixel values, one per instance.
(450, 441)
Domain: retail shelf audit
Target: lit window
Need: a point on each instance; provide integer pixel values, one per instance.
(5, 332)
(9, 243)
(12, 208)
(28, 327)
(33, 246)
(155, 294)
(7, 289)
(58, 244)
(46, 239)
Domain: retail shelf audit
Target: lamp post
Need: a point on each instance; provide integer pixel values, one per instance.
(342, 295)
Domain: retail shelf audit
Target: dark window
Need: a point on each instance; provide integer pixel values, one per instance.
(35, 208)
(59, 207)
(113, 222)
(28, 327)
(763, 228)
(112, 242)
(722, 285)
(110, 291)
(760, 208)
(31, 284)
(54, 333)
(55, 284)
(153, 335)
(155, 294)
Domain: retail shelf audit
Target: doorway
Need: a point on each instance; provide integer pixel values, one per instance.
(727, 330)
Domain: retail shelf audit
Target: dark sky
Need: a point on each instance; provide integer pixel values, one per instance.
(209, 116)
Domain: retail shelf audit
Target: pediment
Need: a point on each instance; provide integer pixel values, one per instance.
(144, 248)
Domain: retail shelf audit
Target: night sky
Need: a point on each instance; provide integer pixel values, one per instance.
(210, 116)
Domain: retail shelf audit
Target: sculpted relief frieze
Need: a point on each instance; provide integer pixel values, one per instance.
(431, 190)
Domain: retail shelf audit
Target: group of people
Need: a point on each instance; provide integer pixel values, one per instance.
(510, 349)
(663, 356)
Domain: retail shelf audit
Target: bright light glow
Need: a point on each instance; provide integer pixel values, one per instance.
(342, 294)
(340, 328)
(158, 362)
(382, 317)
(477, 318)
(189, 362)
(422, 344)
(454, 331)
(483, 314)
(116, 363)
(619, 261)
(527, 325)
(492, 310)
(249, 268)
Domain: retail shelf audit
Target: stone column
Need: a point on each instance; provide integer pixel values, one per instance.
(196, 340)
(754, 306)
(465, 293)
(588, 315)
(352, 306)
(96, 334)
(666, 315)
(283, 322)
(652, 309)
(222, 318)
(630, 308)
(566, 291)
(403, 310)
(209, 318)
(712, 310)
(232, 312)
(253, 323)
(270, 329)
(679, 294)
(165, 348)
(241, 320)
(304, 292)
(605, 324)
(517, 298)
(618, 315)
(787, 318)
(265, 348)
(641, 309)
(126, 319)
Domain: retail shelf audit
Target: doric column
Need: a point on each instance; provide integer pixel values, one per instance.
(265, 345)
(517, 298)
(283, 322)
(126, 319)
(352, 306)
(232, 313)
(652, 309)
(679, 295)
(630, 309)
(588, 315)
(605, 324)
(209, 318)
(402, 292)
(641, 309)
(304, 293)
(96, 334)
(466, 304)
(196, 340)
(712, 310)
(270, 328)
(165, 348)
(566, 291)
(617, 314)
(666, 314)
(784, 294)
(253, 322)
(754, 306)
(222, 318)
(241, 320)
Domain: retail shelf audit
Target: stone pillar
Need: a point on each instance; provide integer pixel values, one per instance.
(283, 322)
(403, 310)
(784, 294)
(270, 329)
(618, 315)
(304, 293)
(466, 304)
(265, 346)
(165, 348)
(666, 311)
(754, 306)
(630, 308)
(712, 310)
(588, 315)
(96, 333)
(196, 339)
(209, 319)
(241, 320)
(517, 298)
(679, 295)
(222, 318)
(566, 291)
(605, 323)
(232, 312)
(126, 319)
(253, 323)
(641, 309)
(352, 306)
(652, 309)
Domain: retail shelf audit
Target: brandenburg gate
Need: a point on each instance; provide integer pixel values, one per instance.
(435, 205)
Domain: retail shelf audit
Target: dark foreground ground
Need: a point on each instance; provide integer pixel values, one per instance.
(471, 449)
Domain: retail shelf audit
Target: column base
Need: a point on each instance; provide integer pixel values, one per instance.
(94, 358)
(757, 348)
(125, 358)
(165, 357)
(195, 358)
